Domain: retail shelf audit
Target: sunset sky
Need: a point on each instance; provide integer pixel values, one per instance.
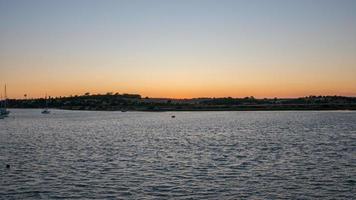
(178, 48)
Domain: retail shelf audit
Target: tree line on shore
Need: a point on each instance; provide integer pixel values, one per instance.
(116, 101)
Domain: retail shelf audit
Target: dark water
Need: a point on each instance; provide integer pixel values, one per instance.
(197, 155)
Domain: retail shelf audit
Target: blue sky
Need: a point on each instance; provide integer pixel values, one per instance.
(195, 47)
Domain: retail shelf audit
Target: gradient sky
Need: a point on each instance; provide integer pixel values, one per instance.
(178, 48)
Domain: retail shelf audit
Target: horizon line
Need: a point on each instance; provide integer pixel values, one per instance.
(184, 98)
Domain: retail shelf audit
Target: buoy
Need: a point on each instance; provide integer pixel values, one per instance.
(7, 166)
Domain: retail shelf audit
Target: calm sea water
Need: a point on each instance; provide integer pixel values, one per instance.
(197, 155)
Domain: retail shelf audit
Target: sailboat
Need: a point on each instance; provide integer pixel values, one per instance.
(3, 107)
(45, 110)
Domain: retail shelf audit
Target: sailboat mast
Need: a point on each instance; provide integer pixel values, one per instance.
(46, 101)
(5, 98)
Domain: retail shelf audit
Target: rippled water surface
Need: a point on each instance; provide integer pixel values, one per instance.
(197, 155)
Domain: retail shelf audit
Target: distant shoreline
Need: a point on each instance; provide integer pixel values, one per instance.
(134, 102)
(207, 110)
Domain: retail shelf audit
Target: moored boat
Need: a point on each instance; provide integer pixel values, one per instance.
(46, 110)
(3, 107)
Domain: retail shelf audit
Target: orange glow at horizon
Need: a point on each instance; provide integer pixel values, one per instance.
(182, 79)
(179, 90)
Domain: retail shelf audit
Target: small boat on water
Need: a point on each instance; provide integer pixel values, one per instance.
(46, 110)
(4, 112)
(3, 107)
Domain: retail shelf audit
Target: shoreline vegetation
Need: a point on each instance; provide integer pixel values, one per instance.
(134, 102)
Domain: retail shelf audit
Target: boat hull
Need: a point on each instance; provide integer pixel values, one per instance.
(45, 112)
